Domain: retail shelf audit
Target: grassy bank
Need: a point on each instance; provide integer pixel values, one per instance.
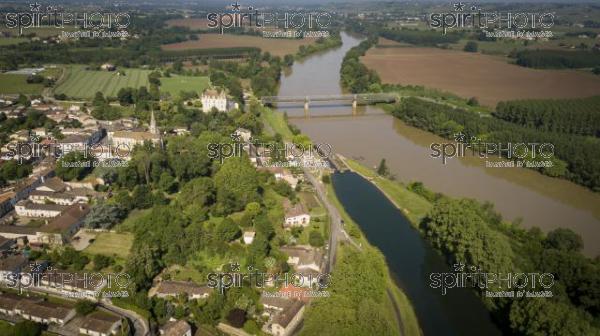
(412, 205)
(277, 122)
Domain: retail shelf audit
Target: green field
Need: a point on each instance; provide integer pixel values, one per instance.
(175, 84)
(109, 244)
(18, 84)
(81, 83)
(12, 40)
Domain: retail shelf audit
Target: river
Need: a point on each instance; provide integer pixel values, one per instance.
(368, 135)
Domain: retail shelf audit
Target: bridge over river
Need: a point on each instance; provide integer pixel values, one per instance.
(354, 99)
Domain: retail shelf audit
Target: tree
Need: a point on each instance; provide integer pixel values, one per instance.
(563, 239)
(167, 182)
(143, 265)
(101, 262)
(252, 209)
(237, 185)
(27, 328)
(74, 165)
(125, 96)
(237, 317)
(382, 169)
(473, 102)
(104, 216)
(12, 170)
(227, 230)
(142, 197)
(196, 196)
(98, 99)
(471, 47)
(326, 179)
(84, 307)
(543, 316)
(23, 100)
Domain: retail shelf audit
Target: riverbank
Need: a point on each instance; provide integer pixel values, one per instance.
(514, 250)
(413, 206)
(396, 299)
(406, 317)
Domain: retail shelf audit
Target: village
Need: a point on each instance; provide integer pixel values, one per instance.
(42, 212)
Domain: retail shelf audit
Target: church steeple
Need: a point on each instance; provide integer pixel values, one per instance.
(153, 128)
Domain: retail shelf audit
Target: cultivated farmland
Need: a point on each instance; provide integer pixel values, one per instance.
(175, 84)
(275, 46)
(81, 83)
(12, 84)
(490, 79)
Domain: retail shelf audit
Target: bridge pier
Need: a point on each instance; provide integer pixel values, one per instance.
(306, 101)
(354, 102)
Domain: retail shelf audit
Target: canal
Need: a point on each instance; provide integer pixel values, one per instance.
(411, 261)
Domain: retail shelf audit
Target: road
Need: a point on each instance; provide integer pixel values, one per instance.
(140, 324)
(336, 231)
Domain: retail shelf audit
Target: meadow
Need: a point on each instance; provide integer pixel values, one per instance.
(81, 83)
(175, 84)
(111, 244)
(13, 84)
(275, 46)
(488, 78)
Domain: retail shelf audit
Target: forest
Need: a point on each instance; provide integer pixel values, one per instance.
(473, 234)
(355, 75)
(558, 59)
(420, 37)
(571, 116)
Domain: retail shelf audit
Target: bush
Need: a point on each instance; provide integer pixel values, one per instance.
(315, 238)
(471, 47)
(84, 307)
(236, 317)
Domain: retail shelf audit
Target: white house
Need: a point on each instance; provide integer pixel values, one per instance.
(295, 215)
(29, 209)
(249, 237)
(212, 98)
(303, 258)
